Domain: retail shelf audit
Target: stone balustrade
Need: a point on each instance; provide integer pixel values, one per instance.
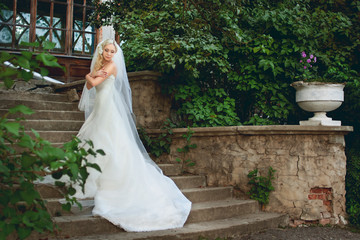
(310, 165)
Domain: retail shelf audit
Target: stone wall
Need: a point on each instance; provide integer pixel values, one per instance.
(310, 165)
(150, 106)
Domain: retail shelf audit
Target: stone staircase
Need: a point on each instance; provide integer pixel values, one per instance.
(215, 212)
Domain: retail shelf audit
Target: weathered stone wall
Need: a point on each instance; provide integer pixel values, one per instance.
(150, 106)
(310, 165)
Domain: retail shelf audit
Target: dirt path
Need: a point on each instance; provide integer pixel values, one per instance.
(306, 233)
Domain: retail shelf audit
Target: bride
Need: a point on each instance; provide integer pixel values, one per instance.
(131, 190)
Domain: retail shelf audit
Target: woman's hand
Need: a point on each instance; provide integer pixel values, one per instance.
(101, 73)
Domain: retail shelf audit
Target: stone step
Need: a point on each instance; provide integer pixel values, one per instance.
(48, 115)
(40, 105)
(50, 192)
(52, 125)
(184, 182)
(222, 228)
(33, 96)
(55, 136)
(196, 195)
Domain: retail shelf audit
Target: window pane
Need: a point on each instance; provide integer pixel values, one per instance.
(23, 13)
(22, 35)
(6, 14)
(78, 25)
(42, 34)
(43, 14)
(59, 20)
(87, 20)
(5, 36)
(89, 43)
(77, 42)
(59, 39)
(81, 2)
(78, 14)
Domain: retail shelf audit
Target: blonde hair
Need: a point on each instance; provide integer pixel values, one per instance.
(99, 57)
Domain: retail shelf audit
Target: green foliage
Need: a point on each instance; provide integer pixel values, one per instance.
(205, 108)
(261, 186)
(186, 149)
(248, 49)
(353, 183)
(160, 144)
(27, 62)
(24, 161)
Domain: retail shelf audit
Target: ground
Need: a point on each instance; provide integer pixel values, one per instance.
(306, 233)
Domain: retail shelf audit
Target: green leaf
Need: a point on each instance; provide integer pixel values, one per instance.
(30, 44)
(8, 83)
(95, 166)
(66, 207)
(44, 71)
(12, 127)
(101, 152)
(27, 55)
(71, 191)
(21, 108)
(57, 175)
(23, 62)
(27, 161)
(48, 60)
(74, 169)
(26, 75)
(47, 45)
(24, 232)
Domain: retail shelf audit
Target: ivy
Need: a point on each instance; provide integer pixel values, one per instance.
(248, 49)
(261, 186)
(160, 144)
(186, 149)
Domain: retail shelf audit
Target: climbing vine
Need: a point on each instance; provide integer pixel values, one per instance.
(261, 186)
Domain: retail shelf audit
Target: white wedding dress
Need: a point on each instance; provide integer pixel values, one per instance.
(131, 192)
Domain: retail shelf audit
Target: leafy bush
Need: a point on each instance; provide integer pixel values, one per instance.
(205, 108)
(261, 186)
(27, 61)
(159, 145)
(353, 183)
(26, 160)
(247, 48)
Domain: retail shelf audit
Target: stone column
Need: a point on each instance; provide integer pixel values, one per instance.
(150, 106)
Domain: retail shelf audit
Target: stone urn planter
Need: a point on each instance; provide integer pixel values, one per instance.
(319, 98)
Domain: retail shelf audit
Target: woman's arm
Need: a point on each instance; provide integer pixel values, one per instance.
(99, 78)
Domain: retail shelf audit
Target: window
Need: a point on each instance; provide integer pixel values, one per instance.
(64, 22)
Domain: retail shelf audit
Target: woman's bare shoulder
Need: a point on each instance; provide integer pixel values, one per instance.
(111, 68)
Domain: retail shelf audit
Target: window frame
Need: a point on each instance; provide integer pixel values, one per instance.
(69, 30)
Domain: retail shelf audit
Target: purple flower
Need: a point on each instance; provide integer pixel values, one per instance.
(310, 65)
(301, 61)
(309, 60)
(311, 56)
(303, 54)
(314, 59)
(304, 67)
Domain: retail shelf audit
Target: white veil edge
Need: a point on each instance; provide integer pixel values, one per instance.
(121, 90)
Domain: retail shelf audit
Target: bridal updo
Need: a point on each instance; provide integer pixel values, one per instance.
(100, 48)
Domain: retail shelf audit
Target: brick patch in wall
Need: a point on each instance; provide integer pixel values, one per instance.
(322, 194)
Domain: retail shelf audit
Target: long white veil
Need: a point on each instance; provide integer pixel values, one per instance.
(121, 90)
